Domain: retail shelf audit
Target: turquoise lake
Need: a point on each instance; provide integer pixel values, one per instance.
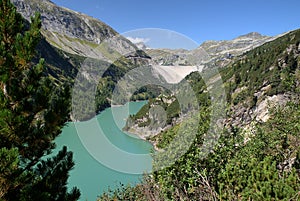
(98, 166)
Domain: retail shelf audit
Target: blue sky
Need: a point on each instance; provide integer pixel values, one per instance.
(196, 19)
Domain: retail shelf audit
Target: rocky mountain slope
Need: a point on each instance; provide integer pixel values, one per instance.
(74, 32)
(250, 153)
(71, 37)
(264, 77)
(229, 48)
(174, 64)
(71, 40)
(81, 35)
(208, 52)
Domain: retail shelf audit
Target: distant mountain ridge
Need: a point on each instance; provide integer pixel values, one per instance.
(236, 46)
(209, 52)
(79, 34)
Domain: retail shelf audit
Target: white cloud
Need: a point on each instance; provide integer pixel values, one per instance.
(138, 40)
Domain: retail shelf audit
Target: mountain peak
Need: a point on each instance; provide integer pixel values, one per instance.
(64, 21)
(252, 35)
(74, 32)
(226, 49)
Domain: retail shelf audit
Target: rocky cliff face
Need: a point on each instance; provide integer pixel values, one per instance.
(74, 32)
(65, 22)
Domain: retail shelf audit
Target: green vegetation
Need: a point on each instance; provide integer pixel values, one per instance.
(264, 168)
(147, 92)
(105, 76)
(273, 64)
(261, 164)
(169, 102)
(33, 109)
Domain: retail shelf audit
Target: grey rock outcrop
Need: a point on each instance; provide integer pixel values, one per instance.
(74, 32)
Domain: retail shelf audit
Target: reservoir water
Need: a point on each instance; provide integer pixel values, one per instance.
(90, 175)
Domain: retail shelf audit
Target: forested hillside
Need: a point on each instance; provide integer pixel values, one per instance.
(257, 156)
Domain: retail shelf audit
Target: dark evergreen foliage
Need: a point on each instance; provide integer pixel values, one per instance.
(32, 112)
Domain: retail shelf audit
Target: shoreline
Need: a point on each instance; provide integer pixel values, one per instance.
(140, 135)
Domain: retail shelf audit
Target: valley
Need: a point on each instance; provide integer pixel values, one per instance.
(122, 120)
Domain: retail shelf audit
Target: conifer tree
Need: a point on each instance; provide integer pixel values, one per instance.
(32, 112)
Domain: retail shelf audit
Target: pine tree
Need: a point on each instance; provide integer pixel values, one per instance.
(32, 112)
